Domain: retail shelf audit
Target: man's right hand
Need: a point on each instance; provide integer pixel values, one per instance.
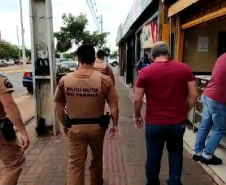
(113, 131)
(25, 140)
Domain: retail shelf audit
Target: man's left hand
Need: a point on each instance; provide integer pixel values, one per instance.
(139, 122)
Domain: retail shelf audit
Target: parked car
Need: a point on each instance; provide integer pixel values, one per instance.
(11, 62)
(113, 62)
(27, 81)
(3, 74)
(3, 63)
(18, 62)
(28, 61)
(71, 65)
(7, 62)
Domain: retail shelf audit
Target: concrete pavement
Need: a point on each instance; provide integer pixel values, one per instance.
(124, 156)
(16, 69)
(16, 80)
(26, 106)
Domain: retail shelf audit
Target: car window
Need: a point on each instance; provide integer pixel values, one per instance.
(70, 64)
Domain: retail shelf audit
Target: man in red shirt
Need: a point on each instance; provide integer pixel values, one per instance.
(171, 93)
(213, 115)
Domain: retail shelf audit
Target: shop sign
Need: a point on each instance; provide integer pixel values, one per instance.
(128, 23)
(203, 44)
(139, 7)
(119, 34)
(149, 35)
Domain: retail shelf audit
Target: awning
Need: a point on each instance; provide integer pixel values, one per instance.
(179, 6)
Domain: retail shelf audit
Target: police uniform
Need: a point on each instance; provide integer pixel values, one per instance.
(85, 92)
(10, 152)
(104, 68)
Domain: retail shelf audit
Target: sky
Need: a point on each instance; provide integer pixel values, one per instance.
(114, 13)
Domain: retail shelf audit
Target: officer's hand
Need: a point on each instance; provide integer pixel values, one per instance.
(113, 131)
(66, 131)
(25, 141)
(139, 122)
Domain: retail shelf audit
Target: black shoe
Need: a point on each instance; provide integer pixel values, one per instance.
(213, 161)
(196, 157)
(102, 182)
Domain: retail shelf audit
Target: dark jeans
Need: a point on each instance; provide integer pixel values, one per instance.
(156, 136)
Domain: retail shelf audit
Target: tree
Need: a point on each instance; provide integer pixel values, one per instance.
(107, 51)
(8, 50)
(28, 53)
(74, 31)
(68, 55)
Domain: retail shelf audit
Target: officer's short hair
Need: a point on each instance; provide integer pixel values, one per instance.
(160, 49)
(86, 54)
(100, 53)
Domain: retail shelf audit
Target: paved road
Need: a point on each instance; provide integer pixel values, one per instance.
(16, 80)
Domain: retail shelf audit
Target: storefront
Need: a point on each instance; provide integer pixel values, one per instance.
(199, 38)
(146, 36)
(138, 33)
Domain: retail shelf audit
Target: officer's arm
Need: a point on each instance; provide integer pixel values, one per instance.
(114, 112)
(60, 112)
(112, 99)
(111, 74)
(60, 102)
(13, 112)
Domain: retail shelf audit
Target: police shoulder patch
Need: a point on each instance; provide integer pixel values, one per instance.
(8, 84)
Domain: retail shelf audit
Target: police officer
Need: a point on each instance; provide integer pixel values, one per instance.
(102, 66)
(11, 152)
(84, 92)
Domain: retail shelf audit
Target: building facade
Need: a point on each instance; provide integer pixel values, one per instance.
(136, 36)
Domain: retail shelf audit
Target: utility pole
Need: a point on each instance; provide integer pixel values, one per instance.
(101, 24)
(93, 10)
(18, 39)
(22, 33)
(43, 57)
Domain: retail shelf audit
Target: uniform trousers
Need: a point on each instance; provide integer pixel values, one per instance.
(13, 159)
(80, 137)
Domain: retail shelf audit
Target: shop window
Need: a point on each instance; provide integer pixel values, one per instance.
(221, 43)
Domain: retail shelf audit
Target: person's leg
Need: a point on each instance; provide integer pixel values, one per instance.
(13, 159)
(96, 141)
(203, 131)
(155, 139)
(218, 112)
(174, 144)
(78, 143)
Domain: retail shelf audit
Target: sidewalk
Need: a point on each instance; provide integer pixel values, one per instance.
(124, 156)
(16, 69)
(134, 152)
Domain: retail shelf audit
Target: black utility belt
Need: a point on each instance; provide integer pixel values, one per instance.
(85, 121)
(103, 121)
(8, 132)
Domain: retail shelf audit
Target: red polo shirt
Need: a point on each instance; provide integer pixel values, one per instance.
(166, 88)
(216, 88)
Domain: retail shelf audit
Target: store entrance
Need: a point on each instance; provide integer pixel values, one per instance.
(203, 44)
(130, 59)
(221, 43)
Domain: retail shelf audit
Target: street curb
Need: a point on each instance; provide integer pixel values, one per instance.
(19, 95)
(16, 71)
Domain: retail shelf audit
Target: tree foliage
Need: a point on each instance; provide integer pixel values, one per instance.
(107, 51)
(8, 50)
(74, 31)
